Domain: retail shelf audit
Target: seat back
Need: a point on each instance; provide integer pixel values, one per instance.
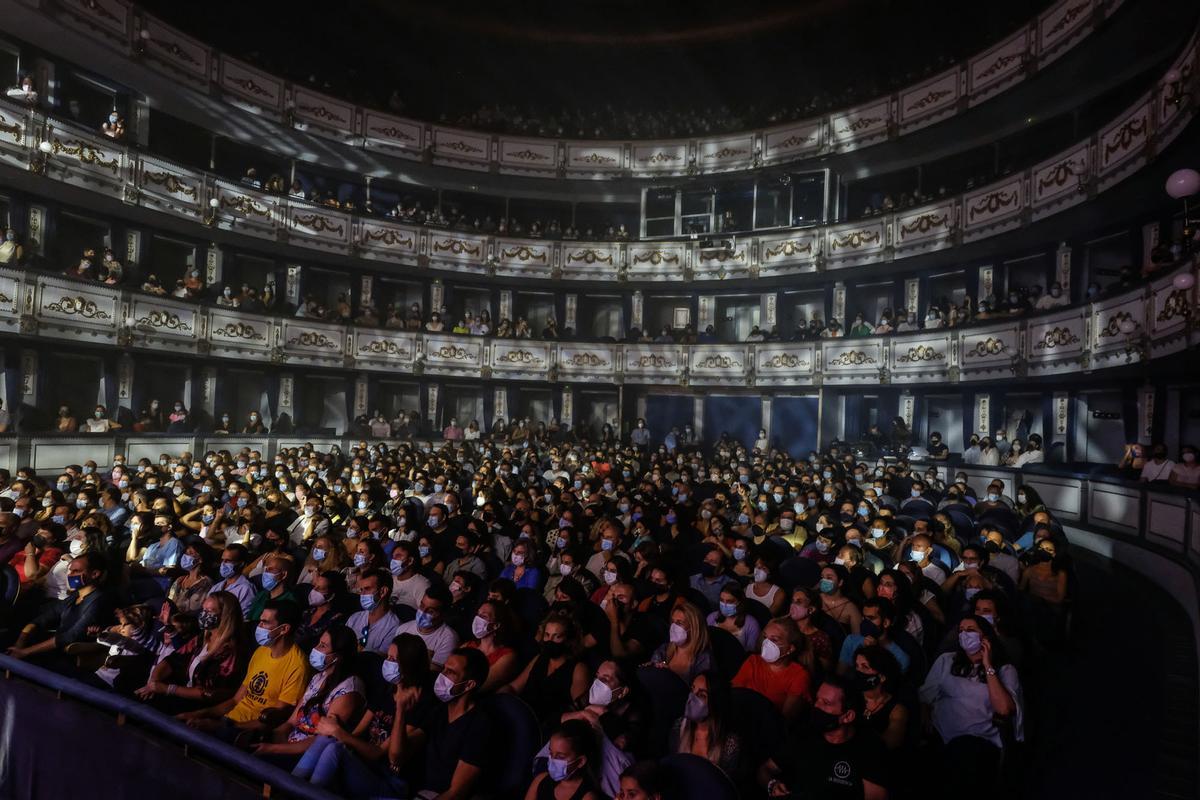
(512, 752)
(10, 586)
(667, 694)
(690, 777)
(728, 653)
(760, 724)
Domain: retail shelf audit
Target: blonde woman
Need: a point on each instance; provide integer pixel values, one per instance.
(686, 652)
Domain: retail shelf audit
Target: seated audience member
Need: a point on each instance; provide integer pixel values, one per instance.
(430, 624)
(66, 622)
(776, 671)
(572, 752)
(834, 757)
(375, 626)
(704, 728)
(274, 683)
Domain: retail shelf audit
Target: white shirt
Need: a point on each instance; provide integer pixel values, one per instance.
(1030, 457)
(408, 592)
(440, 642)
(1157, 472)
(379, 634)
(989, 457)
(239, 587)
(962, 706)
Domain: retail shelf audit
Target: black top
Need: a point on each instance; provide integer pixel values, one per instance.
(466, 739)
(817, 770)
(70, 620)
(545, 790)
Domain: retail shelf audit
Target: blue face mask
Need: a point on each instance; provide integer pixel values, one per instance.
(826, 586)
(207, 518)
(862, 512)
(227, 570)
(318, 554)
(74, 582)
(423, 551)
(727, 609)
(186, 561)
(270, 580)
(59, 519)
(424, 619)
(359, 559)
(743, 519)
(606, 544)
(739, 553)
(367, 601)
(241, 502)
(318, 660)
(262, 636)
(391, 671)
(916, 492)
(558, 769)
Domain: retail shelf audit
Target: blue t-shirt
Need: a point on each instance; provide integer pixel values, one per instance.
(163, 555)
(855, 641)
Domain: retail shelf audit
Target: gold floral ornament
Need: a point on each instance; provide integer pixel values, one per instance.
(248, 85)
(925, 223)
(660, 157)
(856, 240)
(245, 206)
(176, 51)
(784, 361)
(527, 155)
(86, 153)
(1058, 175)
(651, 361)
(727, 152)
(78, 307)
(12, 128)
(595, 158)
(992, 202)
(656, 257)
(458, 146)
(456, 247)
(986, 347)
(1068, 18)
(721, 256)
(169, 182)
(1176, 305)
(861, 124)
(789, 248)
(852, 358)
(238, 330)
(1113, 326)
(590, 256)
(394, 132)
(921, 352)
(718, 361)
(523, 253)
(312, 339)
(388, 237)
(163, 319)
(321, 112)
(929, 99)
(450, 352)
(793, 141)
(521, 357)
(1130, 132)
(319, 223)
(384, 347)
(999, 64)
(586, 360)
(1057, 337)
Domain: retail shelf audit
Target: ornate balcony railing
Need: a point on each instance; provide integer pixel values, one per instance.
(67, 154)
(999, 67)
(1153, 320)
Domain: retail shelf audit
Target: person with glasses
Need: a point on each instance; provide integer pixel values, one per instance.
(274, 682)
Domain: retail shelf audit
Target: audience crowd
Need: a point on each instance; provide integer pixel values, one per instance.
(510, 611)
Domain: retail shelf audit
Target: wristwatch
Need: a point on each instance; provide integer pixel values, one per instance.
(990, 671)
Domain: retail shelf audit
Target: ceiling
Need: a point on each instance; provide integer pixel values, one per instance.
(554, 56)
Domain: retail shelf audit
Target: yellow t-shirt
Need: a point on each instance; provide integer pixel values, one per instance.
(271, 681)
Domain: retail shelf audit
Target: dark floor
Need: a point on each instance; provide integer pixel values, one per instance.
(1114, 714)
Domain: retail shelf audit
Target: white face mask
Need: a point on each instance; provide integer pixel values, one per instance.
(599, 694)
(770, 651)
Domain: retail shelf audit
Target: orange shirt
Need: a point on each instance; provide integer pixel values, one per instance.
(775, 685)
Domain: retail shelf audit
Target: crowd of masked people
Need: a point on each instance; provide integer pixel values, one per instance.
(442, 617)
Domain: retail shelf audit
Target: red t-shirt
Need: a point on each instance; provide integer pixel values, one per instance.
(46, 560)
(775, 685)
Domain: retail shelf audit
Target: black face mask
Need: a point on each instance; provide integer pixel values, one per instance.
(554, 649)
(866, 682)
(822, 721)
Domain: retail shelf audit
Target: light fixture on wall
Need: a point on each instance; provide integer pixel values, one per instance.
(1182, 184)
(41, 159)
(210, 216)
